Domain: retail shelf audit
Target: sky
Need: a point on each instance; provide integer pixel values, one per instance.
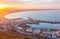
(40, 1)
(56, 1)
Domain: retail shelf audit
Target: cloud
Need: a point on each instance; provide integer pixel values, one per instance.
(35, 1)
(31, 0)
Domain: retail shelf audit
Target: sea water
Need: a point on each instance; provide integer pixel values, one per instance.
(46, 15)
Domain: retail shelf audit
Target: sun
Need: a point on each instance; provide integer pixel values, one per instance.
(4, 5)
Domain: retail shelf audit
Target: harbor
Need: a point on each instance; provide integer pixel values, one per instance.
(29, 19)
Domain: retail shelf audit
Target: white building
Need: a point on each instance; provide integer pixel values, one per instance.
(36, 31)
(29, 30)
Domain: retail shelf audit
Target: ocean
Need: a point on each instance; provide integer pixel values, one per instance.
(48, 15)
